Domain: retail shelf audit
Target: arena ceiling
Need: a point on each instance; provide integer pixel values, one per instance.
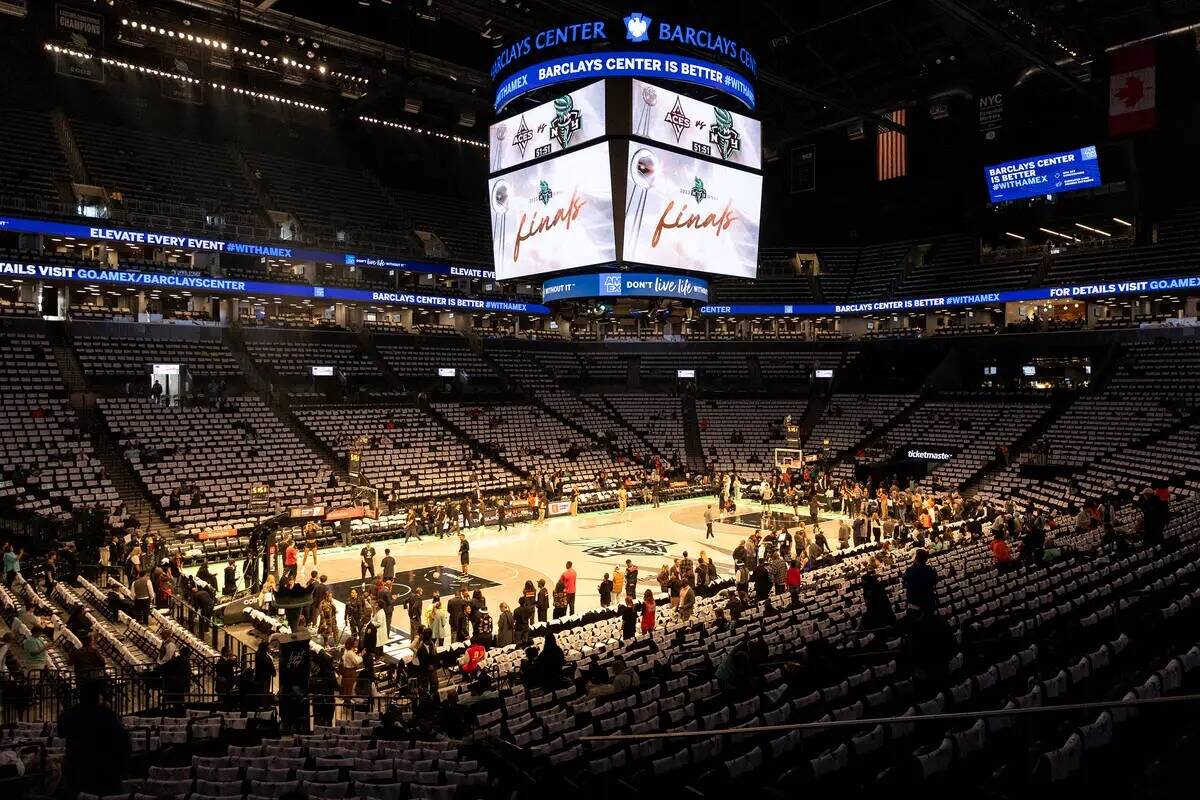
(823, 62)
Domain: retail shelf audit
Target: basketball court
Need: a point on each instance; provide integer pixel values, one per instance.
(595, 543)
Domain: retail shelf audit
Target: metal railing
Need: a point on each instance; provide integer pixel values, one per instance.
(45, 698)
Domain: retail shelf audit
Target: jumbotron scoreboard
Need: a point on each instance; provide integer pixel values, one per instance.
(619, 182)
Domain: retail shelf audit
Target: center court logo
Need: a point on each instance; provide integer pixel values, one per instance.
(637, 27)
(698, 191)
(544, 193)
(611, 548)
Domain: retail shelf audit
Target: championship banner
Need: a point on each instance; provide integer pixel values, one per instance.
(1131, 89)
(804, 168)
(666, 116)
(565, 122)
(85, 32)
(190, 91)
(553, 215)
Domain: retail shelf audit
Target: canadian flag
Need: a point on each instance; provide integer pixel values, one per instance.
(1131, 89)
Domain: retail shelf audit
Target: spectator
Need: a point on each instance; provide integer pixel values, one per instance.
(606, 591)
(97, 751)
(648, 612)
(568, 581)
(920, 582)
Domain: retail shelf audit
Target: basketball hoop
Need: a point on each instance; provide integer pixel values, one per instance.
(789, 458)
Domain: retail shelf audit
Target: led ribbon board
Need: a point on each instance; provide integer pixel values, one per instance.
(1083, 291)
(625, 284)
(658, 66)
(141, 238)
(216, 285)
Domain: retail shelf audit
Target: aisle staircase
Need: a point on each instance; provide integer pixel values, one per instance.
(691, 434)
(129, 487)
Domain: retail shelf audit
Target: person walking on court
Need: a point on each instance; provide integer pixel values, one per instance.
(388, 565)
(708, 521)
(367, 561)
(568, 580)
(464, 554)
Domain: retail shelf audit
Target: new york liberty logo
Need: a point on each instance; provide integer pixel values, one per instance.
(698, 190)
(567, 120)
(544, 193)
(722, 134)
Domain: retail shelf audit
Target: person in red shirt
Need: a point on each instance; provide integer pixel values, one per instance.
(289, 559)
(648, 607)
(794, 576)
(568, 581)
(1001, 553)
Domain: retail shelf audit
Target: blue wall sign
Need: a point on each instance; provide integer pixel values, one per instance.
(1041, 175)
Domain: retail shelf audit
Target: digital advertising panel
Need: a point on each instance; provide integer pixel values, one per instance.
(560, 124)
(625, 284)
(667, 116)
(690, 214)
(1053, 173)
(553, 215)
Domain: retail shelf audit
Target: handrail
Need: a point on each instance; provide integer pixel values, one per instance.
(953, 716)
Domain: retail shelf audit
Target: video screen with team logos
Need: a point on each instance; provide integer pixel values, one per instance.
(566, 122)
(669, 117)
(553, 215)
(690, 214)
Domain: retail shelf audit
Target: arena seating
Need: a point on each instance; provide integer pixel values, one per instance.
(194, 178)
(291, 358)
(848, 419)
(657, 418)
(49, 466)
(537, 371)
(350, 206)
(409, 358)
(410, 455)
(717, 365)
(209, 458)
(126, 357)
(531, 438)
(971, 431)
(796, 365)
(31, 163)
(739, 435)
